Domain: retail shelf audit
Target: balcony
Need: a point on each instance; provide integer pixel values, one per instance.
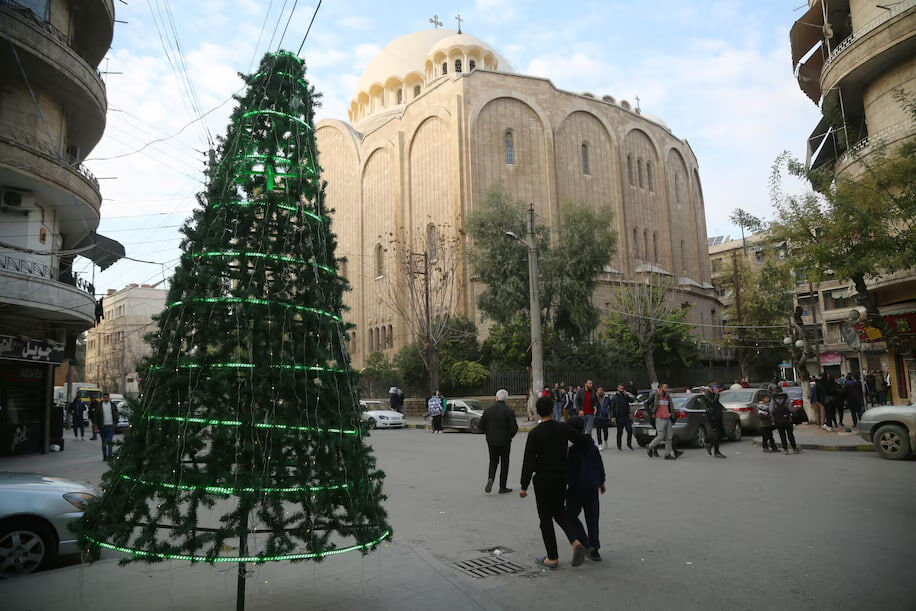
(53, 65)
(864, 147)
(864, 54)
(37, 291)
(31, 164)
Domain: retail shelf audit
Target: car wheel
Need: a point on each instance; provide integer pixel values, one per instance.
(372, 423)
(892, 442)
(699, 440)
(25, 545)
(475, 426)
(736, 432)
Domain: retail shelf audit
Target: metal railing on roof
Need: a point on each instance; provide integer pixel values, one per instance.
(889, 13)
(902, 128)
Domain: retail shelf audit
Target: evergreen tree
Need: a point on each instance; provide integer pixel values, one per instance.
(249, 420)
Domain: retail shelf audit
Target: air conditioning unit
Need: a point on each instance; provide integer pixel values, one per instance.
(12, 201)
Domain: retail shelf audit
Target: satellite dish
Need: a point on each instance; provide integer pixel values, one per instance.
(828, 31)
(850, 336)
(854, 315)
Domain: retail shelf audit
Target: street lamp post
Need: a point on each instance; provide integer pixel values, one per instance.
(537, 346)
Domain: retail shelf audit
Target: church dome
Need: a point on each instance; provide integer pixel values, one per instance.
(392, 77)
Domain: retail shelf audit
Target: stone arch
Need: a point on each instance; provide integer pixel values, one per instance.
(378, 181)
(430, 178)
(529, 178)
(680, 202)
(641, 206)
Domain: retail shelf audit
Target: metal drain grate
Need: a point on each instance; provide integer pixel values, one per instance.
(487, 566)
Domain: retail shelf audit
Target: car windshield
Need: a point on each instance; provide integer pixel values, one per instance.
(736, 396)
(475, 405)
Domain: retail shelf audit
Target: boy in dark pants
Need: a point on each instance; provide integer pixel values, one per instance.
(545, 459)
(765, 414)
(584, 478)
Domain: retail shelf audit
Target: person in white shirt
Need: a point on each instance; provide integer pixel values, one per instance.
(105, 417)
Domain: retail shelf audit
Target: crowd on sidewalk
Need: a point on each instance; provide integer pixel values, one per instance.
(832, 397)
(101, 417)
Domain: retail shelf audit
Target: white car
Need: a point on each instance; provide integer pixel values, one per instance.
(35, 513)
(377, 414)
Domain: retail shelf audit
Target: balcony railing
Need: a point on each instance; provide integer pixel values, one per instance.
(40, 270)
(888, 14)
(901, 129)
(30, 140)
(45, 25)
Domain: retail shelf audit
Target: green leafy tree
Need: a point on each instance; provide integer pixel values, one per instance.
(857, 226)
(746, 221)
(673, 345)
(411, 369)
(379, 373)
(249, 420)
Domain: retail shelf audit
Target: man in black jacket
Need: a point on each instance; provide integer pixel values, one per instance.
(620, 414)
(500, 426)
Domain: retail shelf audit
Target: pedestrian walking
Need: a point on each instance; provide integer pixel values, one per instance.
(870, 394)
(855, 396)
(881, 386)
(569, 403)
(105, 417)
(559, 393)
(782, 418)
(620, 416)
(77, 417)
(659, 407)
(715, 417)
(765, 415)
(396, 399)
(832, 398)
(584, 480)
(602, 419)
(545, 462)
(814, 396)
(93, 408)
(435, 408)
(586, 404)
(499, 426)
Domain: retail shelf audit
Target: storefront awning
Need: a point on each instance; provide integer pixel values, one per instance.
(809, 76)
(100, 250)
(806, 32)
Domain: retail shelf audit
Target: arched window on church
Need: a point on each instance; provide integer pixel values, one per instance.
(683, 257)
(389, 337)
(655, 246)
(416, 91)
(510, 147)
(645, 240)
(444, 68)
(457, 65)
(639, 171)
(471, 64)
(636, 242)
(400, 96)
(370, 342)
(585, 168)
(630, 169)
(649, 178)
(432, 242)
(379, 261)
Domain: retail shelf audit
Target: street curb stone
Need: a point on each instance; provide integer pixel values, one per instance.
(829, 448)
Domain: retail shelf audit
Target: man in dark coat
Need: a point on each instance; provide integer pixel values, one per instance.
(715, 415)
(499, 425)
(620, 415)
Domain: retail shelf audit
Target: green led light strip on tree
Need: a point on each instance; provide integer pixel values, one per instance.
(276, 159)
(227, 490)
(257, 425)
(260, 255)
(253, 301)
(277, 113)
(256, 559)
(282, 53)
(290, 207)
(312, 368)
(287, 74)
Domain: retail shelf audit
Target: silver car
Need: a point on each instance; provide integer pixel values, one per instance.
(463, 414)
(742, 402)
(35, 513)
(892, 429)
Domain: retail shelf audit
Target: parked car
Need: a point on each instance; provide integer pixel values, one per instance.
(796, 404)
(742, 403)
(463, 414)
(691, 424)
(123, 412)
(891, 428)
(378, 415)
(35, 513)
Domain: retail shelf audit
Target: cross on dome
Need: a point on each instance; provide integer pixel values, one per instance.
(459, 20)
(435, 21)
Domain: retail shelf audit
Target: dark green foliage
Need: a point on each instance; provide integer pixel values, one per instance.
(249, 386)
(673, 345)
(412, 373)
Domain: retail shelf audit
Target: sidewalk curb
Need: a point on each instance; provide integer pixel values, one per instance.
(827, 448)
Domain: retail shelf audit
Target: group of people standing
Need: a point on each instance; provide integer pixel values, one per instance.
(599, 410)
(832, 397)
(102, 418)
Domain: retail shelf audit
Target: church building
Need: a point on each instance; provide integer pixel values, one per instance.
(440, 117)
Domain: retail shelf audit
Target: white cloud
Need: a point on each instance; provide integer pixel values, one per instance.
(494, 11)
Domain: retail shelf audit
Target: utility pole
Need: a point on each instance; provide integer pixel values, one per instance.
(736, 287)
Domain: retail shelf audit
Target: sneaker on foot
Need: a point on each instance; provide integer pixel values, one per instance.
(670, 457)
(678, 453)
(825, 427)
(600, 448)
(505, 490)
(709, 449)
(785, 452)
(797, 450)
(720, 455)
(489, 486)
(594, 556)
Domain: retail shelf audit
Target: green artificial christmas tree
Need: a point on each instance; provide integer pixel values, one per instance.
(247, 444)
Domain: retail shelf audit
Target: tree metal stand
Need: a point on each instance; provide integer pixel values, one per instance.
(243, 551)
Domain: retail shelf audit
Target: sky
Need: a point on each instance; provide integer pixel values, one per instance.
(717, 72)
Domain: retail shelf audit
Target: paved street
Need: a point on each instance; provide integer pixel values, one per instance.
(816, 530)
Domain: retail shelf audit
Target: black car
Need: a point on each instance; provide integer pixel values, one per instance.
(691, 425)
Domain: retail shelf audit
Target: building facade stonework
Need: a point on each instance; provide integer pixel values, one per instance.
(440, 118)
